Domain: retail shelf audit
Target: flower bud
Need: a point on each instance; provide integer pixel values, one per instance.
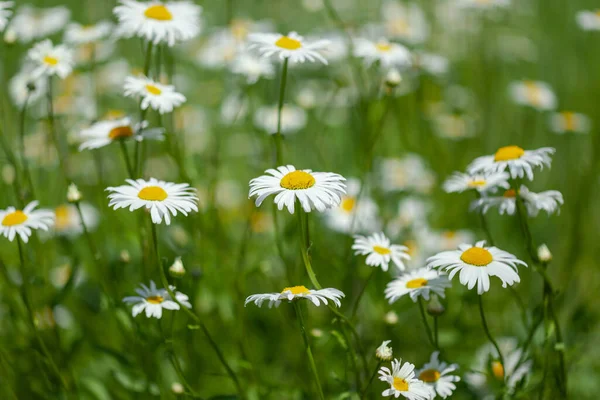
(435, 307)
(544, 254)
(73, 194)
(124, 256)
(10, 36)
(393, 78)
(177, 270)
(177, 388)
(391, 318)
(384, 352)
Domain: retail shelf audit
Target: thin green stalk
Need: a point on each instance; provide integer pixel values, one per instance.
(278, 137)
(311, 359)
(62, 158)
(426, 324)
(125, 153)
(137, 156)
(484, 224)
(361, 293)
(436, 332)
(25, 164)
(363, 394)
(489, 334)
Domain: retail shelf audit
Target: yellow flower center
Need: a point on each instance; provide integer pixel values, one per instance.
(51, 60)
(510, 193)
(120, 132)
(400, 384)
(297, 180)
(62, 217)
(288, 43)
(477, 256)
(533, 93)
(158, 12)
(508, 153)
(14, 218)
(498, 370)
(155, 299)
(114, 114)
(153, 89)
(430, 375)
(477, 183)
(296, 290)
(348, 204)
(385, 47)
(152, 193)
(415, 284)
(570, 121)
(381, 250)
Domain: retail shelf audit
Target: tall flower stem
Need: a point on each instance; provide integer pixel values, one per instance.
(137, 156)
(371, 379)
(25, 164)
(130, 170)
(277, 136)
(311, 359)
(489, 334)
(25, 296)
(194, 317)
(426, 324)
(362, 292)
(62, 158)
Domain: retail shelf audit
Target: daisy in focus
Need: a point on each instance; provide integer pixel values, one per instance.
(380, 251)
(162, 98)
(84, 34)
(21, 222)
(570, 122)
(161, 198)
(588, 20)
(387, 53)
(291, 46)
(314, 190)
(158, 22)
(317, 297)
(459, 182)
(51, 60)
(293, 119)
(549, 201)
(476, 264)
(436, 374)
(103, 133)
(517, 161)
(402, 382)
(152, 300)
(354, 213)
(538, 95)
(5, 13)
(417, 283)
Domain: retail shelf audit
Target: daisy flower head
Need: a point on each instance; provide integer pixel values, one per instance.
(83, 34)
(384, 352)
(158, 22)
(388, 54)
(51, 60)
(103, 133)
(31, 23)
(68, 221)
(317, 297)
(517, 161)
(162, 98)
(293, 119)
(291, 46)
(437, 375)
(410, 172)
(476, 264)
(252, 67)
(380, 251)
(152, 300)
(5, 13)
(356, 212)
(549, 201)
(570, 122)
(459, 182)
(21, 222)
(538, 95)
(420, 282)
(27, 86)
(404, 22)
(161, 198)
(314, 190)
(589, 20)
(403, 382)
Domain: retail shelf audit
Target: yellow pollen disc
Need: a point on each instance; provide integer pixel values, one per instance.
(120, 132)
(383, 47)
(153, 89)
(477, 256)
(400, 384)
(288, 43)
(477, 183)
(152, 193)
(508, 153)
(159, 13)
(155, 299)
(348, 204)
(510, 193)
(14, 218)
(498, 370)
(62, 217)
(381, 250)
(297, 180)
(50, 60)
(430, 375)
(297, 290)
(570, 121)
(415, 284)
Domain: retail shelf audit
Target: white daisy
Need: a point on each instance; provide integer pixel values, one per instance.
(161, 198)
(417, 283)
(252, 67)
(387, 53)
(454, 125)
(538, 95)
(380, 251)
(31, 23)
(162, 98)
(314, 190)
(103, 133)
(476, 264)
(404, 22)
(82, 34)
(408, 173)
(291, 46)
(354, 214)
(295, 293)
(384, 352)
(402, 382)
(5, 13)
(433, 64)
(51, 60)
(459, 182)
(549, 201)
(589, 20)
(519, 162)
(68, 222)
(152, 300)
(21, 222)
(570, 122)
(158, 22)
(293, 119)
(436, 374)
(27, 86)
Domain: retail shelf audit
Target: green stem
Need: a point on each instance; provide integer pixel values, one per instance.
(22, 145)
(137, 156)
(436, 332)
(278, 137)
(489, 334)
(365, 390)
(311, 359)
(51, 122)
(175, 361)
(125, 153)
(362, 292)
(426, 324)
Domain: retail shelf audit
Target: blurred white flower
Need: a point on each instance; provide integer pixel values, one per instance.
(293, 119)
(536, 94)
(28, 86)
(30, 23)
(68, 222)
(387, 53)
(51, 60)
(83, 34)
(549, 201)
(5, 13)
(234, 108)
(454, 126)
(252, 67)
(588, 20)
(459, 182)
(152, 300)
(404, 22)
(405, 174)
(570, 122)
(354, 214)
(483, 4)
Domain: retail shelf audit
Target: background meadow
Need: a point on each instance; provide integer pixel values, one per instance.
(437, 121)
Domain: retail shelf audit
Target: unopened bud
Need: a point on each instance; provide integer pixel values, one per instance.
(177, 388)
(393, 78)
(31, 86)
(435, 307)
(124, 256)
(544, 254)
(10, 36)
(316, 332)
(177, 270)
(391, 318)
(384, 352)
(73, 194)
